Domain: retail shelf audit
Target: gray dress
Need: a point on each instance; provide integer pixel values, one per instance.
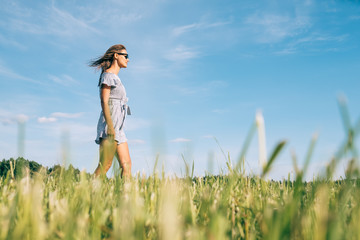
(118, 108)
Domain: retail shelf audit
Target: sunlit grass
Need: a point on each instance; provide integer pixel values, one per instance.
(66, 204)
(70, 206)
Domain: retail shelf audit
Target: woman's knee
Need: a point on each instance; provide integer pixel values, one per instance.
(125, 164)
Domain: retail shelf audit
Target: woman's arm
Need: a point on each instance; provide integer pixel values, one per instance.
(105, 95)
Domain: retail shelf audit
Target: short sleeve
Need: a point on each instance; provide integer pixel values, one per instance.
(108, 80)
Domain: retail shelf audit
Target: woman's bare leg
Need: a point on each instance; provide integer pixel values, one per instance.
(107, 152)
(124, 159)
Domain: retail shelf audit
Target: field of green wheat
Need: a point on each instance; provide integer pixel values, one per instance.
(66, 204)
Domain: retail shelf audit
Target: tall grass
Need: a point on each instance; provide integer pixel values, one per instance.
(66, 205)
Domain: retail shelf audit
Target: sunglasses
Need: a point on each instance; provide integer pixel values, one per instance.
(124, 54)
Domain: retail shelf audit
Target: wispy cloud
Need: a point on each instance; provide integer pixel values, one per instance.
(197, 26)
(22, 118)
(8, 118)
(181, 53)
(286, 51)
(180, 140)
(9, 73)
(50, 21)
(66, 115)
(17, 9)
(64, 23)
(295, 45)
(320, 38)
(11, 42)
(271, 28)
(46, 119)
(130, 17)
(64, 80)
(22, 25)
(57, 115)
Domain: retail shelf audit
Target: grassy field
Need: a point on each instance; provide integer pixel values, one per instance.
(66, 204)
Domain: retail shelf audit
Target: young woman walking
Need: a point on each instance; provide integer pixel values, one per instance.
(110, 131)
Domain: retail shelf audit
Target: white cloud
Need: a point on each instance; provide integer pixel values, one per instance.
(9, 73)
(271, 28)
(50, 21)
(10, 118)
(182, 29)
(180, 140)
(64, 23)
(181, 53)
(20, 25)
(131, 17)
(46, 119)
(22, 118)
(12, 43)
(66, 115)
(294, 46)
(196, 26)
(64, 80)
(56, 115)
(17, 9)
(320, 38)
(286, 51)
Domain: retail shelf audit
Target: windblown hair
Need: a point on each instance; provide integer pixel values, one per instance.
(104, 62)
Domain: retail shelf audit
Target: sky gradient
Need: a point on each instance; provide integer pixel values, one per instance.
(198, 70)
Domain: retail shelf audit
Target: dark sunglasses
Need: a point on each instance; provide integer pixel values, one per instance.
(124, 54)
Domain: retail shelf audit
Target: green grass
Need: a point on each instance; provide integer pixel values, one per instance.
(67, 204)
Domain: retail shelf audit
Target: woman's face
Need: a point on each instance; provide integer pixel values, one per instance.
(122, 58)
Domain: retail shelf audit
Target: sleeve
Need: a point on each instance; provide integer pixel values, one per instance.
(107, 80)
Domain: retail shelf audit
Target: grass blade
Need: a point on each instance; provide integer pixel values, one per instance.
(245, 147)
(273, 156)
(309, 153)
(156, 163)
(344, 113)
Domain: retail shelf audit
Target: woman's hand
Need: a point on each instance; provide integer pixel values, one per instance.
(111, 132)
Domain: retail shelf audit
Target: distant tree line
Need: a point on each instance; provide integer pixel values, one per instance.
(21, 166)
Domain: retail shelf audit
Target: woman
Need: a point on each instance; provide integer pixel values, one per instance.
(110, 132)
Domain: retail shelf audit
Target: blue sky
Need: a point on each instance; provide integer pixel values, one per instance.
(197, 70)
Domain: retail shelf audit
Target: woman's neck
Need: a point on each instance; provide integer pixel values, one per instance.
(113, 69)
